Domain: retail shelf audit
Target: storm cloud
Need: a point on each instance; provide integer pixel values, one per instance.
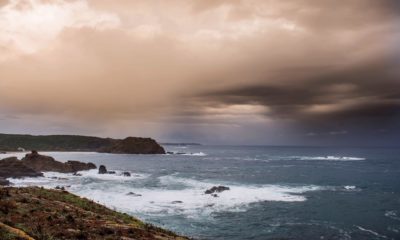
(223, 72)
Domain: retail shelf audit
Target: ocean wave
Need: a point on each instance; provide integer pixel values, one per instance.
(327, 158)
(200, 154)
(372, 232)
(174, 195)
(393, 215)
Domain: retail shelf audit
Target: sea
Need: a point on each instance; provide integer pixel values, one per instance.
(274, 192)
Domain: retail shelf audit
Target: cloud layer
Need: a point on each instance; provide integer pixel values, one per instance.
(203, 70)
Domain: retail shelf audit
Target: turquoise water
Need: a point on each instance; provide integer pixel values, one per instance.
(275, 192)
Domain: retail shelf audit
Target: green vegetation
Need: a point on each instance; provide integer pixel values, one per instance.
(43, 214)
(11, 142)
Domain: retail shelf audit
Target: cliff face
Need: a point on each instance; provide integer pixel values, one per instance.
(132, 145)
(37, 213)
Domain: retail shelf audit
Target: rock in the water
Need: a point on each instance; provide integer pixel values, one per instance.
(176, 202)
(43, 163)
(77, 174)
(135, 145)
(216, 189)
(134, 194)
(126, 174)
(13, 168)
(102, 169)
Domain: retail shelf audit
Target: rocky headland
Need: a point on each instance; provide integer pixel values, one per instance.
(129, 145)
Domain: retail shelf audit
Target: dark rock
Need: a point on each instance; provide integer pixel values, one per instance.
(77, 166)
(176, 202)
(134, 145)
(134, 194)
(110, 172)
(13, 168)
(4, 182)
(102, 169)
(216, 189)
(77, 174)
(60, 188)
(170, 152)
(214, 195)
(41, 163)
(126, 174)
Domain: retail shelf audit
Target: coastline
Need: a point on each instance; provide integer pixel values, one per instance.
(39, 213)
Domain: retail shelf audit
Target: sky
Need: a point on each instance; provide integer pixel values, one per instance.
(245, 72)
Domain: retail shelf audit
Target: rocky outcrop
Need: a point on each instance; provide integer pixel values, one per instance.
(133, 145)
(41, 163)
(14, 168)
(216, 189)
(38, 213)
(102, 169)
(77, 166)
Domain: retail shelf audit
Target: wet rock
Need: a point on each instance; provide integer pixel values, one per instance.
(214, 195)
(170, 152)
(134, 194)
(77, 174)
(176, 202)
(216, 189)
(126, 174)
(102, 169)
(60, 188)
(110, 172)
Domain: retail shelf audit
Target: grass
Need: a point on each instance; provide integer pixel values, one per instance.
(52, 214)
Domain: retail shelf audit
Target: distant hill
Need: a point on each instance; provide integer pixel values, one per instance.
(181, 144)
(132, 145)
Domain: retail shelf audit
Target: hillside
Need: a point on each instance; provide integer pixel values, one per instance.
(12, 142)
(37, 213)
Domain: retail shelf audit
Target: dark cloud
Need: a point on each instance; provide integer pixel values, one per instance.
(298, 69)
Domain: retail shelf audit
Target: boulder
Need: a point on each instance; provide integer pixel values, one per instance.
(216, 189)
(13, 168)
(126, 174)
(102, 169)
(176, 202)
(134, 194)
(134, 145)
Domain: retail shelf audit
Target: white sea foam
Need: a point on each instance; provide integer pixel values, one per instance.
(349, 187)
(328, 158)
(372, 232)
(392, 215)
(162, 199)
